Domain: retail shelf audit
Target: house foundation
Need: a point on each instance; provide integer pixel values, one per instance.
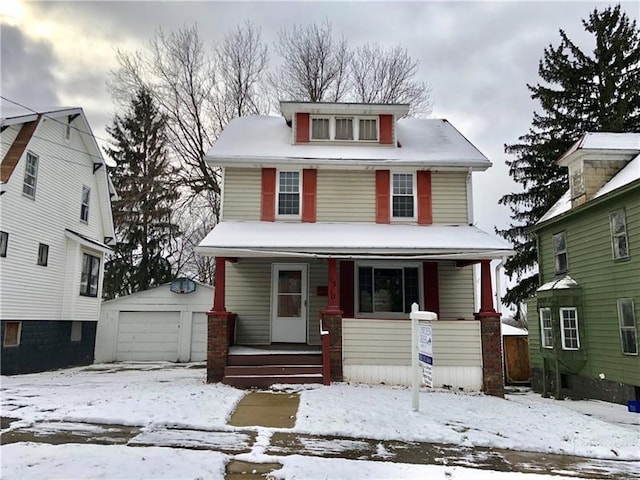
(220, 328)
(332, 322)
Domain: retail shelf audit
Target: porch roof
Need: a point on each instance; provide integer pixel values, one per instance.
(351, 240)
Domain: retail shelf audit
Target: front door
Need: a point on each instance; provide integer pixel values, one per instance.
(289, 303)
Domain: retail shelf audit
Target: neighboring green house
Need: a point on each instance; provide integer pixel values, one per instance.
(586, 310)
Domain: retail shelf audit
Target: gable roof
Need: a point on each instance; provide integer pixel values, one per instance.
(423, 143)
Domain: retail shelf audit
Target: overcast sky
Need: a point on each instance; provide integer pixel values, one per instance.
(477, 56)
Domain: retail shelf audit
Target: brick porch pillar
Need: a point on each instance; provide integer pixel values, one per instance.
(332, 321)
(219, 327)
(491, 337)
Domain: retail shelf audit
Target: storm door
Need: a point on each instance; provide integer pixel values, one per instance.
(289, 303)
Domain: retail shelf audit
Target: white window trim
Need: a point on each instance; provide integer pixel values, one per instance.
(388, 315)
(83, 293)
(82, 204)
(616, 235)
(635, 325)
(356, 128)
(415, 196)
(570, 309)
(43, 261)
(18, 339)
(289, 216)
(35, 176)
(542, 327)
(5, 243)
(555, 252)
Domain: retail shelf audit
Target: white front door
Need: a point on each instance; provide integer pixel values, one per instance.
(289, 303)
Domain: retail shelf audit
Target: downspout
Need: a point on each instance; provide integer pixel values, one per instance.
(497, 274)
(470, 217)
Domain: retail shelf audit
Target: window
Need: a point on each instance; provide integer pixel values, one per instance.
(289, 193)
(90, 274)
(368, 129)
(619, 245)
(4, 243)
(320, 129)
(76, 331)
(84, 207)
(344, 129)
(30, 176)
(402, 197)
(12, 334)
(43, 254)
(546, 328)
(569, 328)
(387, 290)
(560, 252)
(627, 318)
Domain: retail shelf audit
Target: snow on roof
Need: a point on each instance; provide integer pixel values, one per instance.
(630, 173)
(432, 142)
(561, 206)
(253, 238)
(604, 141)
(511, 331)
(559, 284)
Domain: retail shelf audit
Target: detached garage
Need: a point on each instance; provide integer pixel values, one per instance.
(167, 323)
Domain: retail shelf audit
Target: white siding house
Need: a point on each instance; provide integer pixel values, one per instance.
(56, 227)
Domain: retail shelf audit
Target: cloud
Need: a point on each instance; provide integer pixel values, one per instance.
(28, 68)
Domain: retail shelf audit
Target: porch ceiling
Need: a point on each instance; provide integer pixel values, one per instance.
(351, 240)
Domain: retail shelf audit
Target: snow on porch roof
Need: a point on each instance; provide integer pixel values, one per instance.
(267, 140)
(346, 240)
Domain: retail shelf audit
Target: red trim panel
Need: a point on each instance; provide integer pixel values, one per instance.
(430, 285)
(383, 213)
(302, 127)
(347, 302)
(268, 203)
(423, 181)
(309, 182)
(386, 129)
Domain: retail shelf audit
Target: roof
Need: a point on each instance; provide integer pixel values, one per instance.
(559, 284)
(351, 240)
(260, 140)
(603, 141)
(511, 331)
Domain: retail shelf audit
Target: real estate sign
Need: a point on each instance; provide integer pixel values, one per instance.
(425, 353)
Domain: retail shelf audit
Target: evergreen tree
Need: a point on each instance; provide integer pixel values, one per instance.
(144, 181)
(580, 93)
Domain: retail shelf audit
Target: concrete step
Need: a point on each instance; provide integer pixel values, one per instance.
(275, 359)
(265, 381)
(256, 370)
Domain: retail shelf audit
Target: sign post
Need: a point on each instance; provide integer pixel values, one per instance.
(421, 352)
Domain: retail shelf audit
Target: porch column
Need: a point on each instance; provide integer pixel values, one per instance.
(332, 321)
(491, 337)
(220, 328)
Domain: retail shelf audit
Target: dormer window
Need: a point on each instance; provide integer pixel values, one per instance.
(320, 129)
(342, 128)
(368, 129)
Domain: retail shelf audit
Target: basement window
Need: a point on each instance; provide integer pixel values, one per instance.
(76, 331)
(12, 332)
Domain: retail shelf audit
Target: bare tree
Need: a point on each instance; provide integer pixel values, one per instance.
(314, 64)
(241, 61)
(380, 75)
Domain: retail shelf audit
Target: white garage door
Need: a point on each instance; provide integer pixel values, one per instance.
(148, 336)
(199, 337)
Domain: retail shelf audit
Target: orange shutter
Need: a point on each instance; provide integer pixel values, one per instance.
(309, 177)
(430, 285)
(268, 207)
(423, 181)
(383, 214)
(302, 127)
(386, 129)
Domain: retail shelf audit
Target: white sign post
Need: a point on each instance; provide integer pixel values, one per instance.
(421, 352)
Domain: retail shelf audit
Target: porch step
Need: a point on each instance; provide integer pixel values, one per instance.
(249, 381)
(275, 359)
(266, 370)
(262, 370)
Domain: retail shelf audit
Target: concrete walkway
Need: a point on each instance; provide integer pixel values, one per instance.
(258, 411)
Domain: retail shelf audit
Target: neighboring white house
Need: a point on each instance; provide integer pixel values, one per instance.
(56, 227)
(162, 323)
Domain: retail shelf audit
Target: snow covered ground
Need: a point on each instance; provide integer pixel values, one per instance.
(158, 395)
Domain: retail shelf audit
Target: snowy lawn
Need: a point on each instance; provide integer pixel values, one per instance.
(521, 422)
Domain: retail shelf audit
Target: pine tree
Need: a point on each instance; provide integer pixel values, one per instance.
(144, 181)
(580, 93)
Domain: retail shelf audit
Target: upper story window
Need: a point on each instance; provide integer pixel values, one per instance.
(89, 276)
(343, 128)
(387, 290)
(403, 196)
(30, 176)
(560, 252)
(619, 244)
(4, 243)
(569, 328)
(289, 193)
(628, 334)
(546, 328)
(43, 254)
(84, 206)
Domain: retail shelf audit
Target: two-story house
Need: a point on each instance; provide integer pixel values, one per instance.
(55, 228)
(336, 217)
(583, 330)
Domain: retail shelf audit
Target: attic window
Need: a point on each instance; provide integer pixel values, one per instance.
(344, 129)
(320, 129)
(183, 285)
(577, 183)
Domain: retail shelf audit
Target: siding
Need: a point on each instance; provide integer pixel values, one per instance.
(334, 186)
(449, 190)
(29, 291)
(602, 281)
(241, 194)
(456, 291)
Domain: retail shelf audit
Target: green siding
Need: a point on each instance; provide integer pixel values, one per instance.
(602, 281)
